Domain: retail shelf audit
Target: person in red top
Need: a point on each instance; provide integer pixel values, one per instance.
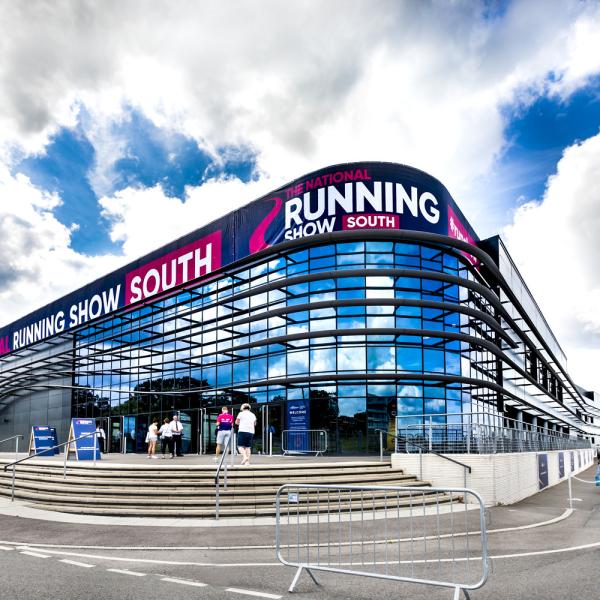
(224, 429)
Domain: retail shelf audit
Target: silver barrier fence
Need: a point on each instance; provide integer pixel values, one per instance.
(434, 536)
(304, 441)
(482, 433)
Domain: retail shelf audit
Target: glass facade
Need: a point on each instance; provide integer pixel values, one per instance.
(347, 326)
(365, 325)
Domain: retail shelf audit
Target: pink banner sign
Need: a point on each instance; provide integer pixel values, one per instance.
(188, 263)
(458, 231)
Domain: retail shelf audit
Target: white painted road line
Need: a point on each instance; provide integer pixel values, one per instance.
(183, 582)
(123, 572)
(5, 548)
(75, 563)
(252, 593)
(36, 554)
(50, 547)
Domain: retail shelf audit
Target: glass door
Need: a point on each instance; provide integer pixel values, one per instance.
(114, 435)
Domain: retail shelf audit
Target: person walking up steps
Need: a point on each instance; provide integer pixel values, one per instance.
(246, 423)
(224, 426)
(177, 431)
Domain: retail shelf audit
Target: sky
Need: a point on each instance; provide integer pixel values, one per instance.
(125, 124)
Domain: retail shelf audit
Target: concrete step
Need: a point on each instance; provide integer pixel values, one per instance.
(188, 489)
(194, 471)
(139, 490)
(238, 510)
(234, 477)
(159, 500)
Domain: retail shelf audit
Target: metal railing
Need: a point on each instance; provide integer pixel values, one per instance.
(434, 536)
(481, 433)
(16, 438)
(45, 451)
(230, 445)
(304, 441)
(421, 449)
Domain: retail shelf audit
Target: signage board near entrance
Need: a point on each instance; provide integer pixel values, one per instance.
(42, 439)
(298, 420)
(84, 449)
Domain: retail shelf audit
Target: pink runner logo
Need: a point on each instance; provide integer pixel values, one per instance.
(458, 231)
(175, 268)
(4, 347)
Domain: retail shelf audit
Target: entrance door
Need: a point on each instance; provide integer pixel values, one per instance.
(191, 421)
(114, 435)
(270, 422)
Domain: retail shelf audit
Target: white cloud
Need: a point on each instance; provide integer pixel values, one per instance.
(36, 261)
(556, 245)
(144, 219)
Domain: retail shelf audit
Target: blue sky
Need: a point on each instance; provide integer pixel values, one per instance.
(538, 134)
(151, 156)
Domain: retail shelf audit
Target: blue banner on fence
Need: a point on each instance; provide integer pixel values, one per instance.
(42, 439)
(542, 470)
(84, 449)
(298, 420)
(561, 465)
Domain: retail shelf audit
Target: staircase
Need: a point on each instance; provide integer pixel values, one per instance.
(189, 491)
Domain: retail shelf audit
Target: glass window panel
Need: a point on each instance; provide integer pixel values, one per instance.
(409, 359)
(433, 361)
(297, 362)
(351, 390)
(381, 358)
(322, 360)
(277, 366)
(351, 358)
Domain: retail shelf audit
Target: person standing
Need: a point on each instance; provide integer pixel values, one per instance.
(246, 423)
(224, 427)
(177, 432)
(152, 438)
(100, 437)
(166, 438)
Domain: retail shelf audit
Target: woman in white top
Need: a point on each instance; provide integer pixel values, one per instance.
(151, 438)
(166, 438)
(246, 423)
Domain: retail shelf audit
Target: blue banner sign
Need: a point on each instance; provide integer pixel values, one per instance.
(84, 449)
(42, 439)
(542, 471)
(572, 461)
(345, 197)
(561, 465)
(298, 420)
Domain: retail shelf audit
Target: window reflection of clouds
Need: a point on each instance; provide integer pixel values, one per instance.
(187, 342)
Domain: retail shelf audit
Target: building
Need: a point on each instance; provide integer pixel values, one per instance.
(354, 299)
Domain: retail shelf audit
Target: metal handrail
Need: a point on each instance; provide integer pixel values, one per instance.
(229, 444)
(16, 438)
(406, 440)
(10, 438)
(45, 452)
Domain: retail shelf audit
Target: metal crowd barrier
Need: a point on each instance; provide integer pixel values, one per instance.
(304, 441)
(433, 536)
